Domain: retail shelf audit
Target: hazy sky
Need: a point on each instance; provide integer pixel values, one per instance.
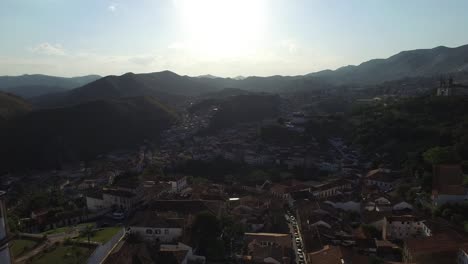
(219, 37)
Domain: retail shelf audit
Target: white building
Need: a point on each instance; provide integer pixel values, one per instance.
(382, 178)
(152, 227)
(462, 257)
(331, 189)
(185, 251)
(107, 199)
(179, 183)
(401, 227)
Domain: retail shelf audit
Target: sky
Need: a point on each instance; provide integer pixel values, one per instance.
(225, 38)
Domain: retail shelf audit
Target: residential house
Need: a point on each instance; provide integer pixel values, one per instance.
(329, 254)
(111, 198)
(331, 188)
(447, 185)
(344, 204)
(141, 252)
(401, 227)
(441, 248)
(187, 209)
(150, 226)
(180, 252)
(179, 183)
(283, 190)
(384, 179)
(269, 247)
(402, 206)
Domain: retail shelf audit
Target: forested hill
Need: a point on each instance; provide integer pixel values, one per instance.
(46, 138)
(413, 126)
(12, 106)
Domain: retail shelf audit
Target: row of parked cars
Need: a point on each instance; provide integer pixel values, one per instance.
(297, 238)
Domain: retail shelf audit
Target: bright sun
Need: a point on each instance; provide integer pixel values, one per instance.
(223, 28)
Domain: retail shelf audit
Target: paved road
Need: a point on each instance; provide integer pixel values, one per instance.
(291, 225)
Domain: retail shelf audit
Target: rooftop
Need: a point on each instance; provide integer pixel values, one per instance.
(149, 218)
(403, 218)
(448, 179)
(186, 206)
(267, 234)
(328, 255)
(120, 193)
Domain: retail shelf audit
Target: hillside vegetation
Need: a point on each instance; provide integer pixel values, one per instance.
(12, 106)
(46, 138)
(413, 125)
(166, 86)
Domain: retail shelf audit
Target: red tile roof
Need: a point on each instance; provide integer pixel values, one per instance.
(328, 255)
(448, 179)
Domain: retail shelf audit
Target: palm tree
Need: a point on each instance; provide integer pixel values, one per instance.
(88, 232)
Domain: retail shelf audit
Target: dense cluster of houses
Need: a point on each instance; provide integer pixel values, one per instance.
(353, 216)
(243, 144)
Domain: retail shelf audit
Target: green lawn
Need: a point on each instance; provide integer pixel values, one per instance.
(19, 246)
(64, 255)
(64, 229)
(103, 235)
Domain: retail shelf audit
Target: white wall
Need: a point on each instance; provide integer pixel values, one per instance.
(5, 255)
(443, 199)
(404, 229)
(94, 204)
(165, 234)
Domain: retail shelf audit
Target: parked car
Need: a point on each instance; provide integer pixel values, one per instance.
(117, 215)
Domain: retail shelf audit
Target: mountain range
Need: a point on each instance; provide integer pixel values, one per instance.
(89, 115)
(413, 63)
(170, 87)
(28, 86)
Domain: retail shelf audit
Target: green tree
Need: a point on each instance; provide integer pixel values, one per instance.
(88, 232)
(206, 230)
(439, 155)
(372, 231)
(257, 176)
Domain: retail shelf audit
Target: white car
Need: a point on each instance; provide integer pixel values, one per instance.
(118, 215)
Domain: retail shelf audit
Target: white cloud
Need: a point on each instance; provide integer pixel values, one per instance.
(112, 8)
(289, 45)
(48, 49)
(143, 60)
(177, 45)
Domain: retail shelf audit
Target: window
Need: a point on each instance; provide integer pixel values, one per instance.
(157, 231)
(166, 231)
(149, 231)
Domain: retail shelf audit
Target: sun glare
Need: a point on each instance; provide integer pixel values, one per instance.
(223, 28)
